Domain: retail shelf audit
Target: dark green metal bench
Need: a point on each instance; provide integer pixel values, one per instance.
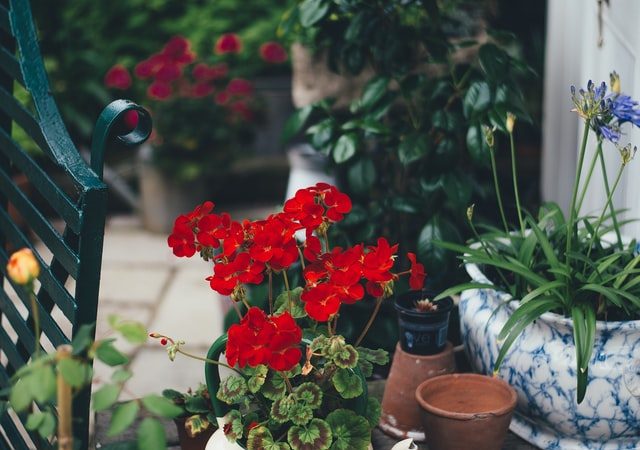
(76, 198)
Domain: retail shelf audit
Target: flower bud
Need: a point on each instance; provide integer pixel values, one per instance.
(511, 121)
(627, 154)
(470, 212)
(615, 82)
(488, 136)
(23, 267)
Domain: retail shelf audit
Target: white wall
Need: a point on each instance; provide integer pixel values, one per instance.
(573, 57)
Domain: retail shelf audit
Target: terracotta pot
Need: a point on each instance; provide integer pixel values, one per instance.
(197, 442)
(400, 416)
(466, 411)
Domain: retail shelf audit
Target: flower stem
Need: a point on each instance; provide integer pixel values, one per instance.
(515, 182)
(270, 292)
(301, 257)
(576, 182)
(605, 178)
(497, 188)
(208, 361)
(589, 173)
(36, 318)
(286, 285)
(370, 322)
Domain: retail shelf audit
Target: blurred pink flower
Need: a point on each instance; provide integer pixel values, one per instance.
(118, 77)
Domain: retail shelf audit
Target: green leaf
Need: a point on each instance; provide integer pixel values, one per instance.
(21, 396)
(197, 405)
(196, 424)
(437, 258)
(547, 290)
(458, 191)
(494, 61)
(584, 327)
(347, 383)
(477, 98)
(161, 406)
(321, 133)
(316, 435)
(132, 332)
(374, 410)
(122, 417)
(373, 92)
(47, 427)
(274, 387)
(121, 375)
(260, 438)
(73, 371)
(43, 383)
(350, 431)
(34, 421)
(312, 11)
(151, 435)
(296, 122)
(310, 394)
(105, 397)
(412, 148)
(445, 120)
(233, 429)
(258, 378)
(281, 409)
(345, 148)
(477, 146)
(362, 176)
(282, 303)
(232, 389)
(83, 339)
(109, 355)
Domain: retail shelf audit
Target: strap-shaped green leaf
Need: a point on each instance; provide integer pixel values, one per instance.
(607, 292)
(463, 287)
(584, 326)
(550, 287)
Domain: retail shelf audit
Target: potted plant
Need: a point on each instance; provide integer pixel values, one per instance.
(554, 303)
(197, 422)
(184, 158)
(293, 381)
(466, 411)
(421, 353)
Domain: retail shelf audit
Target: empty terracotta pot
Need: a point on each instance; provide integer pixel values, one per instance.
(400, 416)
(466, 411)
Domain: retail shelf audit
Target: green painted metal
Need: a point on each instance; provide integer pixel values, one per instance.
(80, 203)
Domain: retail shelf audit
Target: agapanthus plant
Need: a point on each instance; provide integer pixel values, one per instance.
(567, 265)
(295, 377)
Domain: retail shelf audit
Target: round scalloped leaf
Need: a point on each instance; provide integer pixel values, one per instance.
(281, 409)
(373, 411)
(350, 431)
(300, 414)
(310, 394)
(233, 428)
(319, 344)
(260, 438)
(258, 377)
(347, 383)
(378, 356)
(232, 390)
(346, 358)
(314, 436)
(274, 387)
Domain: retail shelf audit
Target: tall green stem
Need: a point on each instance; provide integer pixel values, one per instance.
(286, 285)
(374, 314)
(497, 188)
(605, 178)
(515, 182)
(36, 318)
(589, 173)
(576, 182)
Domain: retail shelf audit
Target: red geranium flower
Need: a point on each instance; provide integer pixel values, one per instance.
(228, 43)
(168, 72)
(273, 52)
(202, 90)
(181, 239)
(240, 87)
(118, 77)
(417, 273)
(222, 98)
(178, 49)
(159, 91)
(241, 110)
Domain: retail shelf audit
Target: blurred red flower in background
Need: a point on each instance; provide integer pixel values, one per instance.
(118, 77)
(273, 52)
(228, 43)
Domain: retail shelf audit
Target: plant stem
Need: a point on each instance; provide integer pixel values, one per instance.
(65, 434)
(515, 182)
(207, 360)
(270, 292)
(36, 319)
(605, 178)
(589, 173)
(237, 309)
(286, 285)
(370, 322)
(604, 210)
(497, 188)
(576, 182)
(301, 257)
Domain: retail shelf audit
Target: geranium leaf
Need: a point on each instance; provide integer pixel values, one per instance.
(373, 411)
(281, 409)
(232, 389)
(300, 413)
(197, 405)
(347, 383)
(290, 301)
(316, 435)
(378, 356)
(310, 394)
(350, 431)
(257, 379)
(233, 429)
(195, 425)
(260, 438)
(274, 386)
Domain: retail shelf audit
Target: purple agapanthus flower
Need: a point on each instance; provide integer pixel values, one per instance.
(609, 133)
(625, 109)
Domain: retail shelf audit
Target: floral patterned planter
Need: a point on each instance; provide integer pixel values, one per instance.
(541, 367)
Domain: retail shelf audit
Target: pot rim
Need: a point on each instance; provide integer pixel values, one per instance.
(601, 325)
(446, 302)
(506, 409)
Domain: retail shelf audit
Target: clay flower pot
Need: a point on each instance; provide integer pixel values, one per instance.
(422, 332)
(466, 411)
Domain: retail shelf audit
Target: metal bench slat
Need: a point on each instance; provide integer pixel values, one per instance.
(48, 281)
(9, 348)
(15, 319)
(10, 65)
(57, 199)
(12, 433)
(24, 118)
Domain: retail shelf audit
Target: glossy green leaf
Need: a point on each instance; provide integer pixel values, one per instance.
(350, 431)
(312, 11)
(21, 396)
(373, 92)
(122, 417)
(494, 61)
(362, 176)
(345, 148)
(477, 98)
(151, 435)
(321, 133)
(412, 147)
(83, 339)
(477, 146)
(161, 406)
(295, 123)
(109, 355)
(42, 383)
(73, 371)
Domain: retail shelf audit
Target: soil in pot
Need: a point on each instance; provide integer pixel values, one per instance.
(465, 411)
(198, 442)
(422, 332)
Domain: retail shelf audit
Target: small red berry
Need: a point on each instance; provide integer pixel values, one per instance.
(163, 341)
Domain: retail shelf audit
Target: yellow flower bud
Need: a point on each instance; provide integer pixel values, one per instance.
(23, 267)
(511, 121)
(470, 212)
(488, 136)
(615, 82)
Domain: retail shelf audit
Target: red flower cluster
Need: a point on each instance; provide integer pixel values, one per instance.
(273, 53)
(118, 77)
(228, 43)
(243, 252)
(261, 339)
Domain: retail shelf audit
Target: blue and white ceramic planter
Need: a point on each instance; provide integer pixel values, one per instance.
(541, 366)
